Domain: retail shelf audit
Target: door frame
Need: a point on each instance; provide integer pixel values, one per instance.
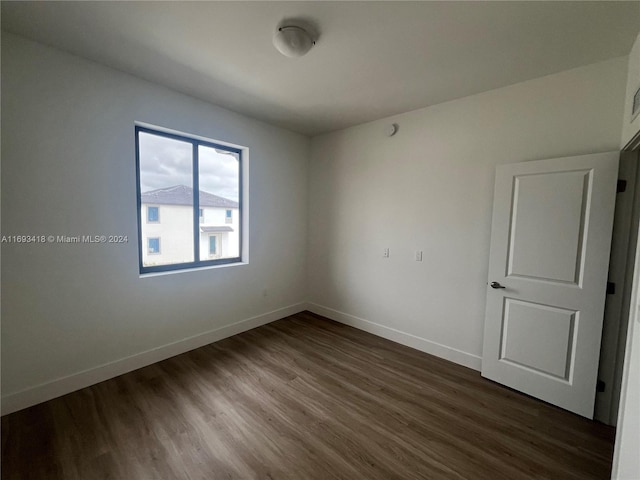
(616, 315)
(632, 319)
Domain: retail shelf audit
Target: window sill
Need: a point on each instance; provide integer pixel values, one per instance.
(192, 269)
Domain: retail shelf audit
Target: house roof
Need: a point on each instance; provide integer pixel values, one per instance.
(214, 229)
(183, 195)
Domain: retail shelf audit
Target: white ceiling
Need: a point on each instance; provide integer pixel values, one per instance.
(372, 59)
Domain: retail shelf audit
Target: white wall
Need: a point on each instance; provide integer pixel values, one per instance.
(230, 240)
(217, 216)
(175, 231)
(630, 128)
(68, 167)
(430, 188)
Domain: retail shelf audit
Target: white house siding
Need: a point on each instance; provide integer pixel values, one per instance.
(229, 246)
(175, 231)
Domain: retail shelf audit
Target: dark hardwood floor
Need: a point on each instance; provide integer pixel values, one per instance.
(302, 398)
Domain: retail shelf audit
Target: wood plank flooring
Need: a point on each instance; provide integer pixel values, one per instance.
(302, 398)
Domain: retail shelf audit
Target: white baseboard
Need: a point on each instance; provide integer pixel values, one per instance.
(448, 353)
(13, 402)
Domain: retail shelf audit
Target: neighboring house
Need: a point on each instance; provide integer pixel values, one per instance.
(167, 226)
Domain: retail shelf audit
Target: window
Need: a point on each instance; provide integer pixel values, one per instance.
(170, 168)
(153, 245)
(153, 214)
(213, 244)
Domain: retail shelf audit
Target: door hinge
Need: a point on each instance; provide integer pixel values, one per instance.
(600, 386)
(611, 288)
(622, 186)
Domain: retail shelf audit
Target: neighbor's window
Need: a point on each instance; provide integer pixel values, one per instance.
(153, 214)
(153, 246)
(170, 169)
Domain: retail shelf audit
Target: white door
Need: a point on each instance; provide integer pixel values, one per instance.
(550, 241)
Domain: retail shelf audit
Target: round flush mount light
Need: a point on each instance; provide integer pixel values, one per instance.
(293, 41)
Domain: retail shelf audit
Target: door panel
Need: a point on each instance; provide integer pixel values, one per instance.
(538, 337)
(550, 240)
(548, 247)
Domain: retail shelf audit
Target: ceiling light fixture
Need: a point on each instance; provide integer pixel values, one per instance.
(293, 41)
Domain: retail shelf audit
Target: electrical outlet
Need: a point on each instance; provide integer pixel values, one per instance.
(418, 255)
(385, 253)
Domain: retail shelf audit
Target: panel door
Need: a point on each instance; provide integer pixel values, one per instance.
(548, 263)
